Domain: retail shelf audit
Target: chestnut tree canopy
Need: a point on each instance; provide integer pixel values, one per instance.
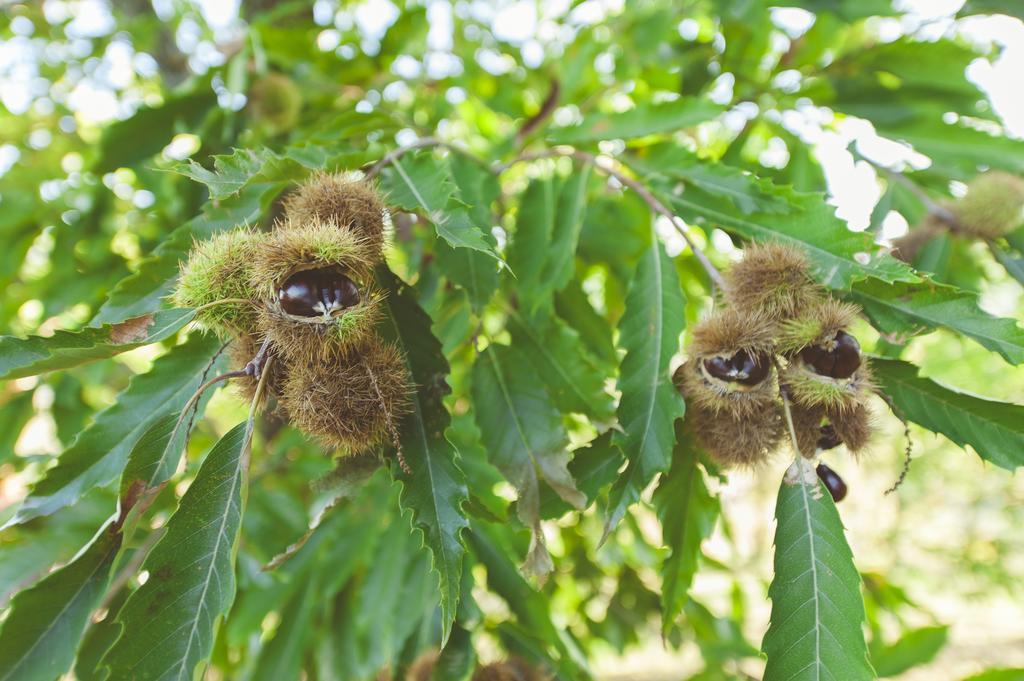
(568, 185)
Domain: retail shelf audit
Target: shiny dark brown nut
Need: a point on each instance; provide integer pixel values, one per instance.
(833, 483)
(317, 293)
(742, 368)
(839, 358)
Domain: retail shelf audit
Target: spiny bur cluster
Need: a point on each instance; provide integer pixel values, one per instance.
(304, 294)
(775, 332)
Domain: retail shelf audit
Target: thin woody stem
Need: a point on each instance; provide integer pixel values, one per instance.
(642, 191)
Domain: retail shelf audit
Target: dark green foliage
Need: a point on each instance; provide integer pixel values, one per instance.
(539, 498)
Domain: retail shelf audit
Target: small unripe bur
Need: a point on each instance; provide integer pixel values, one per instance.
(993, 205)
(275, 101)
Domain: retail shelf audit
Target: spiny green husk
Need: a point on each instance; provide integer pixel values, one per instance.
(773, 280)
(349, 204)
(816, 325)
(352, 403)
(318, 338)
(810, 389)
(292, 247)
(993, 205)
(219, 269)
(718, 397)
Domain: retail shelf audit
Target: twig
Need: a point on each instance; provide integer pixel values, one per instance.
(650, 199)
(908, 450)
(936, 209)
(421, 143)
(199, 393)
(395, 154)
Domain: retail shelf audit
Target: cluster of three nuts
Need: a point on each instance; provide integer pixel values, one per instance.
(775, 332)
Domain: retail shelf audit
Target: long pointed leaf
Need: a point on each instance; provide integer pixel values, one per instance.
(36, 355)
(994, 429)
(99, 453)
(169, 623)
(435, 491)
(817, 609)
(649, 332)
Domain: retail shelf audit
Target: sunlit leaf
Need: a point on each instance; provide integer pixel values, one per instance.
(649, 332)
(168, 625)
(524, 436)
(901, 309)
(994, 429)
(99, 453)
(817, 609)
(36, 355)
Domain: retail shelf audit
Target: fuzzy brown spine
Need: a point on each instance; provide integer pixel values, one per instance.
(771, 279)
(352, 205)
(714, 398)
(738, 441)
(353, 402)
(318, 339)
(809, 389)
(727, 331)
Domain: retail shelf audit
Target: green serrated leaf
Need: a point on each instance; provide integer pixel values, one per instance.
(424, 183)
(838, 256)
(560, 264)
(168, 624)
(525, 438)
(899, 308)
(535, 223)
(643, 119)
(99, 453)
(687, 512)
(817, 609)
(649, 332)
(994, 429)
(435, 491)
(42, 630)
(745, 191)
(564, 365)
(593, 467)
(21, 357)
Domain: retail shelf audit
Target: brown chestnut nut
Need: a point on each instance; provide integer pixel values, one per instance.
(317, 293)
(838, 359)
(833, 483)
(742, 368)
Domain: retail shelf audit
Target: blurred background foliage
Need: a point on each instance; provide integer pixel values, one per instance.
(104, 105)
